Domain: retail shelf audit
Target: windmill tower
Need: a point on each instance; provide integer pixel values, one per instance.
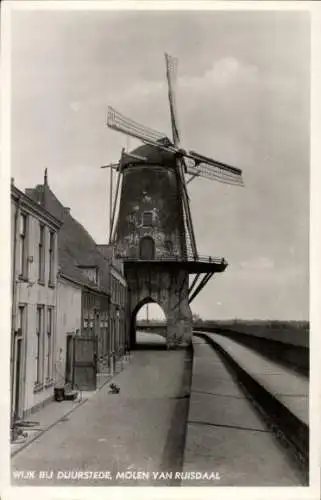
(153, 232)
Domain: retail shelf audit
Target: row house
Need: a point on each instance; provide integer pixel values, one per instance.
(118, 313)
(34, 233)
(87, 305)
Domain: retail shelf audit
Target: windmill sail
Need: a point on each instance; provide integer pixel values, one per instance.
(121, 123)
(171, 72)
(202, 166)
(190, 162)
(195, 164)
(214, 173)
(171, 69)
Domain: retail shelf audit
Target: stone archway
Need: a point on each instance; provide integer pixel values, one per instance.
(169, 289)
(150, 324)
(133, 318)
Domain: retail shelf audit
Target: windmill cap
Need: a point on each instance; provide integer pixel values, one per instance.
(153, 156)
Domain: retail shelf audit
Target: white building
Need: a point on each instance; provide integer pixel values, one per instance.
(34, 303)
(69, 304)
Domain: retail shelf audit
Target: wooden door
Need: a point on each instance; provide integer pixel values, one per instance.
(85, 363)
(147, 248)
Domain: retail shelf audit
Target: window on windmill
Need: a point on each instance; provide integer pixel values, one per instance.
(147, 219)
(168, 246)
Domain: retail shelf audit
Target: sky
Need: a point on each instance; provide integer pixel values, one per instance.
(242, 98)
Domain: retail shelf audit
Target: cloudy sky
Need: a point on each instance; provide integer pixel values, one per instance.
(243, 98)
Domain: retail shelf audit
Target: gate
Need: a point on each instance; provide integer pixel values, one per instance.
(84, 363)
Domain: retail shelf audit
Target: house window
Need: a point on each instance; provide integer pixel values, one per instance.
(147, 219)
(49, 344)
(92, 273)
(20, 325)
(91, 326)
(41, 252)
(113, 288)
(23, 269)
(51, 256)
(85, 326)
(39, 347)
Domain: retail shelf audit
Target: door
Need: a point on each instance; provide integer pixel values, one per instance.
(147, 248)
(69, 359)
(17, 385)
(18, 364)
(85, 363)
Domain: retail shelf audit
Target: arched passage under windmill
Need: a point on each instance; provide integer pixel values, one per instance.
(148, 326)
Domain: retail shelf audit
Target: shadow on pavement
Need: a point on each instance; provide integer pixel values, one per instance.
(174, 449)
(149, 346)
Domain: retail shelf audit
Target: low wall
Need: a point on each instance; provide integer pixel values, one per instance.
(289, 346)
(288, 332)
(159, 329)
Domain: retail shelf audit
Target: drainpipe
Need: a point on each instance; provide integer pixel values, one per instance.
(14, 308)
(54, 319)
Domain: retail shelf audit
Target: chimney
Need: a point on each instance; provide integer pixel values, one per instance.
(67, 210)
(45, 181)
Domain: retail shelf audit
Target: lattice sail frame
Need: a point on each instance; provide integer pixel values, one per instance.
(211, 169)
(187, 231)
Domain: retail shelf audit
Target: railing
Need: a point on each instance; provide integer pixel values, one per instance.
(177, 258)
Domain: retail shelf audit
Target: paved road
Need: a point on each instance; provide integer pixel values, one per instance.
(149, 339)
(137, 431)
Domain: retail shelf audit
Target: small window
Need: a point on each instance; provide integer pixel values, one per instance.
(23, 265)
(41, 255)
(51, 257)
(49, 344)
(20, 320)
(168, 246)
(39, 350)
(147, 219)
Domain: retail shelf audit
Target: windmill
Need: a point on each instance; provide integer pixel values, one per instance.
(165, 169)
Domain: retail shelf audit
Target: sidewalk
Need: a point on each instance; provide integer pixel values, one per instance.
(281, 393)
(287, 386)
(226, 438)
(124, 437)
(45, 418)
